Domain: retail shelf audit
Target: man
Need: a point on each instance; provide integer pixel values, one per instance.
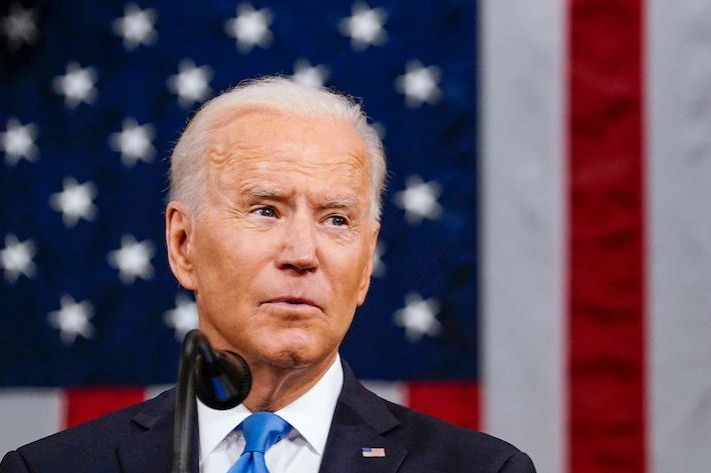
(272, 223)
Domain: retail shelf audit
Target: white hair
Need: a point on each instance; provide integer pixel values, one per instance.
(188, 169)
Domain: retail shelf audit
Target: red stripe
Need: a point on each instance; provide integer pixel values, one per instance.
(84, 404)
(606, 286)
(453, 401)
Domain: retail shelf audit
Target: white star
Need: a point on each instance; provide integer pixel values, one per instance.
(136, 26)
(77, 85)
(419, 200)
(72, 319)
(183, 318)
(419, 84)
(133, 259)
(20, 26)
(364, 26)
(18, 142)
(133, 142)
(378, 265)
(75, 201)
(191, 83)
(418, 317)
(16, 258)
(250, 27)
(308, 75)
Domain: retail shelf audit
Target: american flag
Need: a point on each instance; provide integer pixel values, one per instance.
(93, 96)
(543, 271)
(377, 452)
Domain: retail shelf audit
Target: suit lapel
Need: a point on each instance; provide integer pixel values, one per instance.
(151, 449)
(360, 421)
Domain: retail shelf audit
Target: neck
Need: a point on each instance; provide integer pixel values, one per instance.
(274, 387)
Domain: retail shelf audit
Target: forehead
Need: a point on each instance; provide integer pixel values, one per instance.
(260, 137)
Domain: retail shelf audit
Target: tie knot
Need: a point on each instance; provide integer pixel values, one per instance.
(262, 430)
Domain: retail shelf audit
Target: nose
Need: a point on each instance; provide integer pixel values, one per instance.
(299, 247)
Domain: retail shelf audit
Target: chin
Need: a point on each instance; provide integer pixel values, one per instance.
(292, 359)
(295, 355)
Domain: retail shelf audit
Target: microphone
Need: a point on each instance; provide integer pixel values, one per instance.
(221, 380)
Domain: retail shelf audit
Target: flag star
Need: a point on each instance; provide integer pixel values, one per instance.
(16, 258)
(133, 259)
(378, 265)
(75, 201)
(419, 84)
(18, 142)
(364, 26)
(77, 85)
(20, 26)
(191, 83)
(72, 319)
(308, 75)
(250, 27)
(183, 318)
(418, 317)
(133, 142)
(136, 26)
(419, 200)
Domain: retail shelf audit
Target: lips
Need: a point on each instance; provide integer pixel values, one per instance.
(293, 300)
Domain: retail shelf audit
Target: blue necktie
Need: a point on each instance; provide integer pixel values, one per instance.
(261, 430)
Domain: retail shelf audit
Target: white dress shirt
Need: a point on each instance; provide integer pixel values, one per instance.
(301, 451)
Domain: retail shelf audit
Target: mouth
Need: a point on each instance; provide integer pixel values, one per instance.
(294, 301)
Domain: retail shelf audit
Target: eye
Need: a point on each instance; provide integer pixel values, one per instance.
(338, 220)
(266, 212)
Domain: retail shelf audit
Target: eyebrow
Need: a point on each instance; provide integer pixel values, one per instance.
(278, 195)
(264, 193)
(342, 203)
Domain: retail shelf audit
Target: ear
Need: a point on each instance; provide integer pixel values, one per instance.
(178, 237)
(368, 269)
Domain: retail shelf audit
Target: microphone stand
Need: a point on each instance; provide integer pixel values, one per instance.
(221, 380)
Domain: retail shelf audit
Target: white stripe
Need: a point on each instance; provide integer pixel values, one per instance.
(679, 79)
(392, 391)
(28, 414)
(154, 390)
(523, 289)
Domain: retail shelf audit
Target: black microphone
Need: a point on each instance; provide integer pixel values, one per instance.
(221, 380)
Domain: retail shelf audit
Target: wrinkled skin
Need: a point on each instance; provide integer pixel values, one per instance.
(281, 253)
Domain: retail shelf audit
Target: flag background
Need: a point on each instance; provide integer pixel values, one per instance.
(570, 263)
(127, 339)
(596, 177)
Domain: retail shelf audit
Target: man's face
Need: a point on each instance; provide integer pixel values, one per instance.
(281, 253)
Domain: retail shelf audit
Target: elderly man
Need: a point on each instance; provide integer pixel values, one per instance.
(272, 223)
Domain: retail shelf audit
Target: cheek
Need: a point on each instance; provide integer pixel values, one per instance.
(211, 259)
(350, 278)
(221, 261)
(224, 243)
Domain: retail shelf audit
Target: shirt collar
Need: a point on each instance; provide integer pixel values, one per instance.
(310, 414)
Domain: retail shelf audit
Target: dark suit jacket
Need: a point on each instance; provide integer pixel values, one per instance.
(138, 439)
